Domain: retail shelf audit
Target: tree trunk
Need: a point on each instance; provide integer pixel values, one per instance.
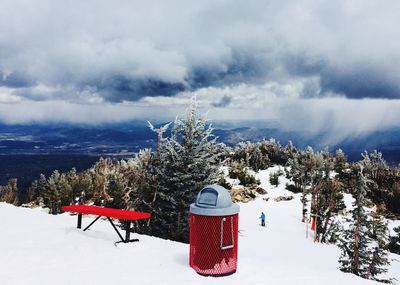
(303, 201)
(356, 261)
(325, 227)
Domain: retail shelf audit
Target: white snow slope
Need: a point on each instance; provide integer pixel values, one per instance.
(37, 248)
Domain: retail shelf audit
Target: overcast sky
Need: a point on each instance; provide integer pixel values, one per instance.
(304, 64)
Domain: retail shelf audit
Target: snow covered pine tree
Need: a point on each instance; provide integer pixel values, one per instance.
(356, 241)
(394, 245)
(188, 162)
(327, 200)
(304, 172)
(364, 240)
(379, 259)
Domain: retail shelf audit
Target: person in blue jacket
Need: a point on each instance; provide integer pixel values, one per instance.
(262, 219)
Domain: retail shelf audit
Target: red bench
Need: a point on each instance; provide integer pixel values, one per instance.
(126, 215)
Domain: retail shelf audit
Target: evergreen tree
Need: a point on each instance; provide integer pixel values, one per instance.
(134, 178)
(327, 199)
(289, 151)
(72, 179)
(328, 203)
(100, 173)
(297, 173)
(51, 193)
(83, 188)
(36, 189)
(394, 245)
(116, 188)
(305, 170)
(373, 163)
(253, 155)
(65, 191)
(379, 259)
(276, 154)
(150, 164)
(356, 241)
(187, 163)
(339, 161)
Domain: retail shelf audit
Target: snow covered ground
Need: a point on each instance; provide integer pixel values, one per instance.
(37, 248)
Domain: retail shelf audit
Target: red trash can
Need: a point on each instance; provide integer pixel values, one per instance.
(214, 232)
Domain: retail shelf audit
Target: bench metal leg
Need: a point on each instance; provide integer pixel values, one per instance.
(115, 228)
(91, 223)
(127, 230)
(79, 221)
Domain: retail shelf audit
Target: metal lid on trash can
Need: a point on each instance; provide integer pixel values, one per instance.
(214, 200)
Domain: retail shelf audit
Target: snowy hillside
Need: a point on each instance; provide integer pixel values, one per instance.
(37, 248)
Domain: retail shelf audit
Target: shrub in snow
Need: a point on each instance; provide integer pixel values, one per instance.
(260, 155)
(250, 155)
(108, 183)
(261, 191)
(238, 170)
(9, 192)
(283, 198)
(293, 188)
(394, 244)
(274, 178)
(222, 181)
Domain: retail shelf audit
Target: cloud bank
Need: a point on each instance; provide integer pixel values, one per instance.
(322, 64)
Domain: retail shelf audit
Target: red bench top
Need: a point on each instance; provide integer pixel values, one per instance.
(108, 212)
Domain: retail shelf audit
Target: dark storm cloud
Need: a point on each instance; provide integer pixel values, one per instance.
(120, 88)
(242, 68)
(356, 81)
(359, 83)
(16, 79)
(224, 102)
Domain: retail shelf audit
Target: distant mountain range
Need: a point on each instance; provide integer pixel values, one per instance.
(45, 139)
(28, 150)
(128, 138)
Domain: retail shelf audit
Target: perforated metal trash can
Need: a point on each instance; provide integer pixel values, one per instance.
(214, 232)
